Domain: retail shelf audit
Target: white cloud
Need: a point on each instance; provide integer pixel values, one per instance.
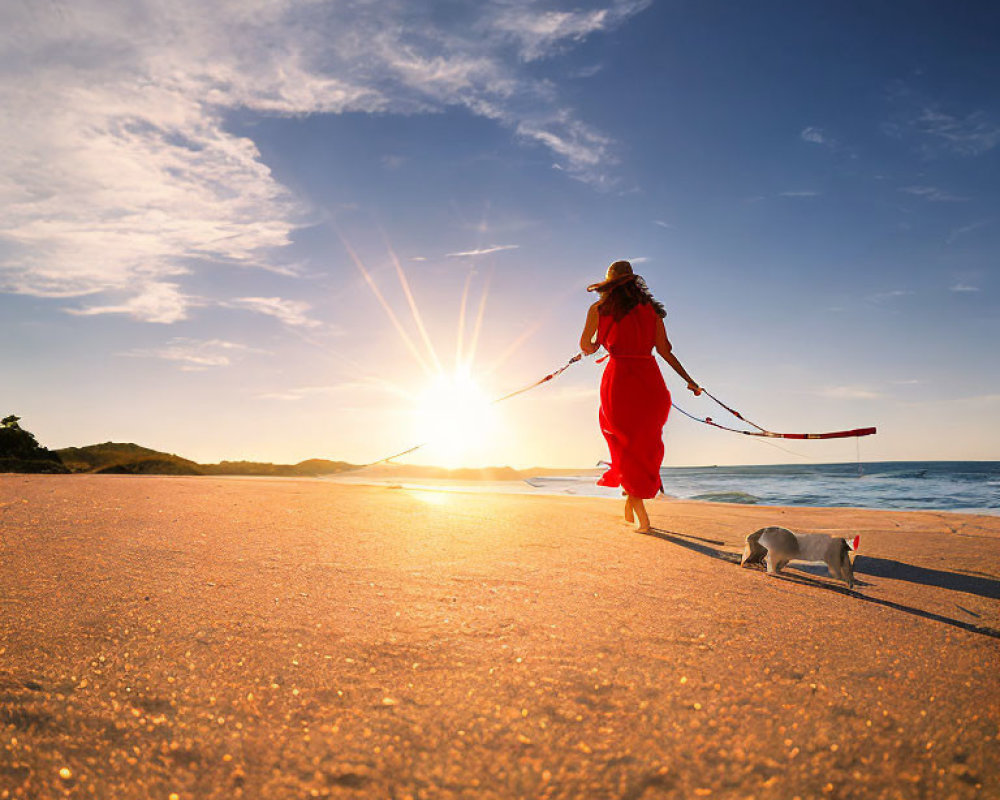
(290, 312)
(153, 302)
(537, 33)
(815, 136)
(933, 194)
(638, 260)
(800, 194)
(194, 354)
(964, 287)
(496, 248)
(662, 224)
(118, 170)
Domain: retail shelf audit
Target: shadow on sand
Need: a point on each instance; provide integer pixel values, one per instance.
(897, 570)
(876, 567)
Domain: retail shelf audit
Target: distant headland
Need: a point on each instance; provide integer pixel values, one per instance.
(21, 452)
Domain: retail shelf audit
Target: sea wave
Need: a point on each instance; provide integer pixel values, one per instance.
(727, 497)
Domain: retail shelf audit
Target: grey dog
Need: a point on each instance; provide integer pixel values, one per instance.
(777, 546)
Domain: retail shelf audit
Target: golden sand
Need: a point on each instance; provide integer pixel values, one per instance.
(202, 637)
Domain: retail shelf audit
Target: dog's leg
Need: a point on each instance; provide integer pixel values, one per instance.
(772, 564)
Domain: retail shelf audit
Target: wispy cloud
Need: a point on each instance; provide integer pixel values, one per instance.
(933, 194)
(971, 135)
(892, 294)
(194, 355)
(117, 169)
(484, 251)
(661, 223)
(804, 193)
(963, 287)
(850, 393)
(290, 312)
(936, 132)
(958, 233)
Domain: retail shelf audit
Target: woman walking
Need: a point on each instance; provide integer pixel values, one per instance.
(628, 323)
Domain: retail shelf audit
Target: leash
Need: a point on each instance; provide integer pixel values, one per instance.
(546, 379)
(763, 432)
(855, 432)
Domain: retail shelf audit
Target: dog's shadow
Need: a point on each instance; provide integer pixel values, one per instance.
(900, 571)
(876, 567)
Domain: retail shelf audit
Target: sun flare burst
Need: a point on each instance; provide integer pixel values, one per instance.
(455, 417)
(455, 422)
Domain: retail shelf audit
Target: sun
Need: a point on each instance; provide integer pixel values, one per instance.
(455, 417)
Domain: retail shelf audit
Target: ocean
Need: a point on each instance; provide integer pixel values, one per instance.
(972, 487)
(967, 486)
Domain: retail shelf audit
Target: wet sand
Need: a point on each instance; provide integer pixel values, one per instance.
(211, 637)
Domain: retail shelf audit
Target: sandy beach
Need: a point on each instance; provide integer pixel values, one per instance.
(181, 638)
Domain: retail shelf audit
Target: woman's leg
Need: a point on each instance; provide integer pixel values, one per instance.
(629, 516)
(642, 518)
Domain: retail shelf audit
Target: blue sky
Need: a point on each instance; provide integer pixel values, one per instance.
(811, 189)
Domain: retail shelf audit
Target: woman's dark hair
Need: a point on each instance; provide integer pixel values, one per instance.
(622, 291)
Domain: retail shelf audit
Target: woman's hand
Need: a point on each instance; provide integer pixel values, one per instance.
(694, 387)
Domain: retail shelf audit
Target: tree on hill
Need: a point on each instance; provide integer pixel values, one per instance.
(21, 452)
(16, 442)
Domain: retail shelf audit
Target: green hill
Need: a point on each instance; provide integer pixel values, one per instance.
(101, 457)
(313, 466)
(152, 466)
(132, 459)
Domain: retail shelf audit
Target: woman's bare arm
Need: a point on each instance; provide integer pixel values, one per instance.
(664, 348)
(587, 339)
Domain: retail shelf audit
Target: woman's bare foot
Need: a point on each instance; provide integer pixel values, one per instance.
(642, 518)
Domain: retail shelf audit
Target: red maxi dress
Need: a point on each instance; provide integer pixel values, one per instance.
(635, 402)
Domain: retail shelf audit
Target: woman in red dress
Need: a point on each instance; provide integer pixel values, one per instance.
(628, 323)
